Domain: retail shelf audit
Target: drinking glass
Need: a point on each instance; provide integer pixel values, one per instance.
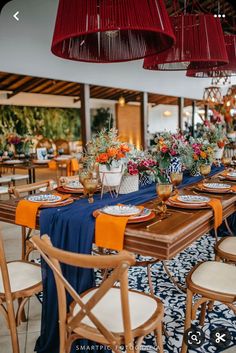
(1, 154)
(176, 179)
(90, 186)
(50, 152)
(205, 170)
(83, 174)
(10, 154)
(226, 161)
(164, 191)
(44, 153)
(61, 151)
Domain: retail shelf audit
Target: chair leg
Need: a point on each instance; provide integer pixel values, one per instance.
(188, 317)
(12, 327)
(203, 314)
(159, 338)
(23, 238)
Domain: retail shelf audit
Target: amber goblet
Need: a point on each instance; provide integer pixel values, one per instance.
(205, 169)
(176, 179)
(164, 191)
(90, 186)
(226, 161)
(83, 174)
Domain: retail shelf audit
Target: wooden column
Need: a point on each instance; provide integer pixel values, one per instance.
(206, 107)
(144, 120)
(193, 116)
(85, 114)
(180, 113)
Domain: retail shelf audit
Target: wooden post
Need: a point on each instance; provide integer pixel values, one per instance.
(180, 113)
(193, 117)
(144, 120)
(206, 107)
(85, 114)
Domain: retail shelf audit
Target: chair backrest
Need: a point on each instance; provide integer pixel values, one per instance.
(16, 191)
(63, 144)
(8, 297)
(119, 263)
(45, 143)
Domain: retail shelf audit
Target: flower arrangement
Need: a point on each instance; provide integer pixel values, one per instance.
(105, 148)
(202, 152)
(215, 133)
(141, 166)
(169, 145)
(13, 139)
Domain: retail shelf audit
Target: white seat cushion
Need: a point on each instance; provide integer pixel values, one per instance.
(5, 179)
(108, 309)
(216, 276)
(22, 276)
(3, 190)
(228, 245)
(19, 176)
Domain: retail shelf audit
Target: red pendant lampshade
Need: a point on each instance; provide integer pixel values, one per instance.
(224, 71)
(104, 31)
(199, 44)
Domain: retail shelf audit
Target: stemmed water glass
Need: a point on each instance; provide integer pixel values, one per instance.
(50, 152)
(90, 186)
(205, 170)
(164, 191)
(61, 151)
(1, 154)
(176, 179)
(226, 161)
(10, 154)
(44, 154)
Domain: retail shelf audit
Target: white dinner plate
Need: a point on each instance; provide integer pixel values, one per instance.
(44, 198)
(74, 184)
(216, 186)
(121, 210)
(14, 161)
(145, 213)
(231, 174)
(196, 199)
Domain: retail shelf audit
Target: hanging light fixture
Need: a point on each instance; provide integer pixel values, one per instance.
(225, 71)
(199, 44)
(105, 31)
(212, 95)
(121, 101)
(230, 98)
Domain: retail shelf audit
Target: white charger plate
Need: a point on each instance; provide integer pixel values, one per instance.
(231, 174)
(195, 199)
(121, 210)
(74, 184)
(216, 186)
(14, 161)
(44, 198)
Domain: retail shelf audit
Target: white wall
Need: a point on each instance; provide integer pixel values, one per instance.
(159, 122)
(25, 48)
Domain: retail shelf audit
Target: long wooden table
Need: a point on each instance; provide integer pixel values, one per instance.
(165, 239)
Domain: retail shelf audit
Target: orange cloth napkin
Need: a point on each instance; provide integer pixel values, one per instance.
(233, 188)
(109, 231)
(26, 212)
(216, 205)
(74, 165)
(52, 165)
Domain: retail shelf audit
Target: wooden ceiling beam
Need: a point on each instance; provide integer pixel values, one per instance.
(25, 87)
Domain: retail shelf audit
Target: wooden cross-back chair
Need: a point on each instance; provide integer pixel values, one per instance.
(17, 192)
(107, 315)
(19, 280)
(211, 281)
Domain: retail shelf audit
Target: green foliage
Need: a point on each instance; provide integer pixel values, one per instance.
(52, 123)
(103, 119)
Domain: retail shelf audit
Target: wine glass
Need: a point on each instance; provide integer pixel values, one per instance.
(61, 151)
(205, 170)
(164, 191)
(44, 153)
(176, 179)
(83, 174)
(10, 154)
(90, 186)
(226, 161)
(50, 152)
(1, 154)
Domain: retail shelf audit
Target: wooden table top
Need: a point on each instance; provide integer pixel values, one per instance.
(165, 239)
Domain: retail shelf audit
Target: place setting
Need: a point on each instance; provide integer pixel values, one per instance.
(50, 200)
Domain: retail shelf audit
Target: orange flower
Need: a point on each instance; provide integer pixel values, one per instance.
(112, 152)
(203, 154)
(220, 144)
(102, 158)
(124, 148)
(120, 155)
(195, 157)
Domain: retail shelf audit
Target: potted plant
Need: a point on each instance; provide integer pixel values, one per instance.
(216, 134)
(110, 153)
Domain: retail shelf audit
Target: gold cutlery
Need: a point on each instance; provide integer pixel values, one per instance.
(158, 221)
